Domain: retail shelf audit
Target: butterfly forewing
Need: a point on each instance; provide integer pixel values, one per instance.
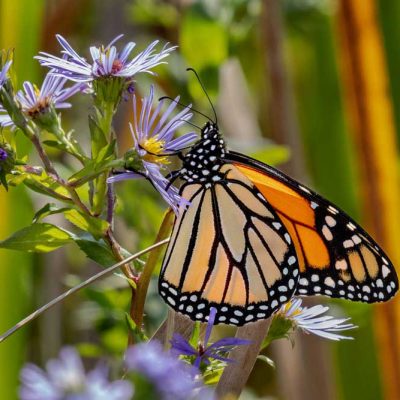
(336, 256)
(228, 250)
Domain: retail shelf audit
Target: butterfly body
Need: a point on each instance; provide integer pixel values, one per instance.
(252, 237)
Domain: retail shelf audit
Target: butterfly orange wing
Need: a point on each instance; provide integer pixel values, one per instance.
(336, 256)
(228, 250)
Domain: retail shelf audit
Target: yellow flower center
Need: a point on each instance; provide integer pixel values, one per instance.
(154, 148)
(286, 309)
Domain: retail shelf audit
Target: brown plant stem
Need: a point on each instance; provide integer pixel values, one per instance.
(236, 374)
(137, 304)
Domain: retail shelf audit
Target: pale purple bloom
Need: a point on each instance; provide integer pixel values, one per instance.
(312, 321)
(36, 101)
(172, 378)
(5, 120)
(204, 352)
(153, 138)
(106, 61)
(52, 92)
(65, 379)
(4, 72)
(3, 154)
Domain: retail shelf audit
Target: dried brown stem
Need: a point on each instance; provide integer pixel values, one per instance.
(236, 374)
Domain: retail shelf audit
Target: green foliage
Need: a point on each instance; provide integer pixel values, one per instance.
(96, 250)
(280, 328)
(137, 334)
(195, 46)
(40, 238)
(95, 226)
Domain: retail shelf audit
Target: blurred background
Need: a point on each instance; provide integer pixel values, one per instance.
(312, 86)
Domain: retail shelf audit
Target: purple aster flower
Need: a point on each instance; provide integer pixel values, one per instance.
(171, 378)
(153, 137)
(35, 102)
(311, 320)
(4, 72)
(5, 119)
(3, 154)
(65, 379)
(52, 93)
(204, 352)
(106, 61)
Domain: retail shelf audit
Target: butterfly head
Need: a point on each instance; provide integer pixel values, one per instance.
(203, 161)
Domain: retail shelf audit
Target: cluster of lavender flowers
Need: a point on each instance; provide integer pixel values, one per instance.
(149, 371)
(108, 76)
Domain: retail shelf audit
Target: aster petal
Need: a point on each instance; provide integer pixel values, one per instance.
(169, 192)
(30, 97)
(144, 61)
(5, 121)
(210, 325)
(229, 342)
(123, 177)
(311, 320)
(70, 51)
(37, 385)
(126, 51)
(165, 115)
(67, 93)
(181, 142)
(181, 346)
(67, 68)
(4, 71)
(114, 40)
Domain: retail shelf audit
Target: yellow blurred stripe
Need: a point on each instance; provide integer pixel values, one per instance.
(371, 114)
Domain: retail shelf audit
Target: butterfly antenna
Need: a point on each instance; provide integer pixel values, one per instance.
(205, 92)
(190, 123)
(185, 105)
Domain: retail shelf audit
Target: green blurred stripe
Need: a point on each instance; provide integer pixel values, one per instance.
(330, 157)
(20, 28)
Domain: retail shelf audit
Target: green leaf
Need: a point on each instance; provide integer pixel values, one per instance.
(97, 251)
(213, 373)
(48, 209)
(138, 334)
(40, 238)
(267, 360)
(92, 169)
(95, 226)
(38, 180)
(98, 137)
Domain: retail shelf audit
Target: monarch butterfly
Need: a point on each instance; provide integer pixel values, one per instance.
(253, 237)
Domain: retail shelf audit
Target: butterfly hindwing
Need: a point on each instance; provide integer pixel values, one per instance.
(228, 250)
(336, 256)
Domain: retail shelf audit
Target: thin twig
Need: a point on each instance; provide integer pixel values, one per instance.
(110, 204)
(43, 156)
(69, 292)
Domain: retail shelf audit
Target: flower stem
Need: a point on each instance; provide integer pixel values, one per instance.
(71, 146)
(104, 121)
